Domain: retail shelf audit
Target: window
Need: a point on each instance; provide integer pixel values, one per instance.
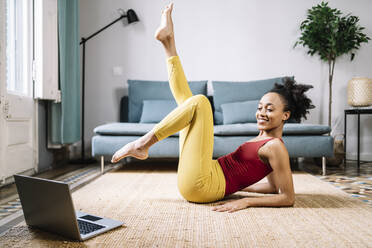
(46, 50)
(19, 47)
(32, 48)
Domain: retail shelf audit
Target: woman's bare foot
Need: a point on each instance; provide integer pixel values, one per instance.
(138, 148)
(134, 149)
(165, 31)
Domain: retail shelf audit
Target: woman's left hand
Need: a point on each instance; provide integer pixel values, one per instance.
(231, 206)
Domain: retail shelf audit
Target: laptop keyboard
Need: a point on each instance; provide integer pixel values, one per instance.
(87, 227)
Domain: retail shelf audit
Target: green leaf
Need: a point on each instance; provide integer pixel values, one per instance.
(327, 33)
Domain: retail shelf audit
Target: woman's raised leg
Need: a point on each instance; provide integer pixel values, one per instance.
(177, 79)
(200, 178)
(178, 84)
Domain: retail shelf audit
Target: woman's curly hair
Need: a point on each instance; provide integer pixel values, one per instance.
(294, 98)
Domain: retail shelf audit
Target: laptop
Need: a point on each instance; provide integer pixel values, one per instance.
(47, 205)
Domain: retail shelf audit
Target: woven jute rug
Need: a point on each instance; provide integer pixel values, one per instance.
(156, 215)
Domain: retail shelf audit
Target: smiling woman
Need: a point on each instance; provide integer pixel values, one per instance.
(202, 179)
(283, 102)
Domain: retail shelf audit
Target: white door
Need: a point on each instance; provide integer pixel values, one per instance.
(18, 142)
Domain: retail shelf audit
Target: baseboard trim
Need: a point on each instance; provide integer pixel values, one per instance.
(363, 156)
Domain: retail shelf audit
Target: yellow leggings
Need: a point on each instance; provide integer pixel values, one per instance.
(200, 178)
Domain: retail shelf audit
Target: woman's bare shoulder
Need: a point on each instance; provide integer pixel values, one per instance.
(275, 153)
(275, 146)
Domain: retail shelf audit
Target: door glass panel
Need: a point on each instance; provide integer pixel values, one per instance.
(18, 47)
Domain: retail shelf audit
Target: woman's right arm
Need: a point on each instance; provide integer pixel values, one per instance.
(265, 188)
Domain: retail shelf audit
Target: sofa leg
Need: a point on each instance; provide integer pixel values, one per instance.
(324, 165)
(102, 164)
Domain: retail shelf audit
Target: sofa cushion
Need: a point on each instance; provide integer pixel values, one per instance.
(153, 111)
(297, 145)
(140, 90)
(239, 112)
(108, 145)
(136, 129)
(125, 129)
(288, 129)
(226, 92)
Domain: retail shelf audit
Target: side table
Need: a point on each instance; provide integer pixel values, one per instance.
(355, 112)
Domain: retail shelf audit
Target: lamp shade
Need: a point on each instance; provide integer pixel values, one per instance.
(131, 15)
(359, 92)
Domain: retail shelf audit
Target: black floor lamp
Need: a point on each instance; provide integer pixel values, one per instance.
(132, 17)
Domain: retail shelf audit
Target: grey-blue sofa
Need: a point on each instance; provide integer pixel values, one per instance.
(234, 106)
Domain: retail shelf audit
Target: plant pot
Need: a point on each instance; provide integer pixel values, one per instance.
(338, 151)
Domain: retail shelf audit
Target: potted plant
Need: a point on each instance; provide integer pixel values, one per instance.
(329, 34)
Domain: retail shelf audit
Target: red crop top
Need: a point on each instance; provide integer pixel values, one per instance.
(243, 167)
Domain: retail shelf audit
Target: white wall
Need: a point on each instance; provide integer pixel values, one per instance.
(219, 40)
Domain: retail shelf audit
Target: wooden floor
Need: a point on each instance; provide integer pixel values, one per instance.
(9, 191)
(356, 182)
(156, 215)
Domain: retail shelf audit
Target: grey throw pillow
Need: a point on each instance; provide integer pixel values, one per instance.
(239, 112)
(154, 111)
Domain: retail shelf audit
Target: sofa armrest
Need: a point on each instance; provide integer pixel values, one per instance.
(124, 109)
